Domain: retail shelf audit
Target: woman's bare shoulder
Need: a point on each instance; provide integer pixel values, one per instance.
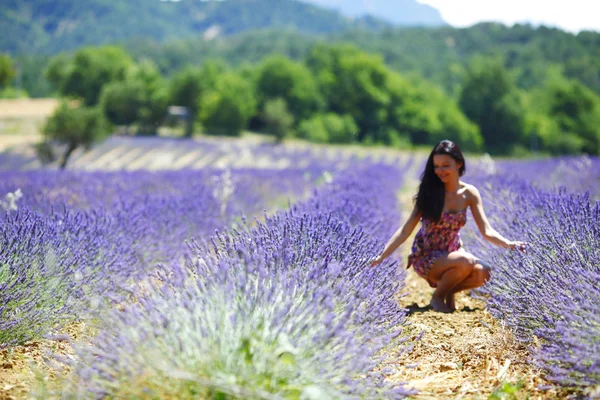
(466, 186)
(469, 190)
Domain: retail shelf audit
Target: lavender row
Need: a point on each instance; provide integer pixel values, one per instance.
(288, 308)
(573, 173)
(70, 241)
(58, 268)
(241, 190)
(549, 292)
(153, 153)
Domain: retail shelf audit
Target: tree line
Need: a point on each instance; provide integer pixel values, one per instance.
(335, 94)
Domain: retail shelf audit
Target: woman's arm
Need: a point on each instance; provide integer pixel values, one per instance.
(399, 236)
(483, 224)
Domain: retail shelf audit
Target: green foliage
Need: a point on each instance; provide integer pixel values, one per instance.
(438, 54)
(122, 101)
(188, 85)
(141, 99)
(31, 76)
(387, 107)
(329, 128)
(227, 108)
(354, 83)
(424, 114)
(563, 117)
(489, 99)
(7, 70)
(278, 120)
(12, 93)
(58, 69)
(441, 55)
(88, 71)
(577, 111)
(507, 391)
(155, 95)
(42, 26)
(280, 77)
(75, 127)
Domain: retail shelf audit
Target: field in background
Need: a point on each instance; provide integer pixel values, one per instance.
(27, 108)
(21, 120)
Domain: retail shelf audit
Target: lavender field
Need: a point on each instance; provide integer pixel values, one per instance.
(218, 279)
(549, 296)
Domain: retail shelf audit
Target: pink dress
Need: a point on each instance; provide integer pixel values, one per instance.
(436, 239)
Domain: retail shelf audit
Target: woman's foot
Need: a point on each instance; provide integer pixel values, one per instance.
(438, 305)
(450, 301)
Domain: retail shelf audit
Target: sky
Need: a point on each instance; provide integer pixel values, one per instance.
(569, 15)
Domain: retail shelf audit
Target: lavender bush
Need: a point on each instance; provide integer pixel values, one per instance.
(240, 191)
(172, 206)
(550, 292)
(69, 239)
(576, 174)
(59, 267)
(287, 309)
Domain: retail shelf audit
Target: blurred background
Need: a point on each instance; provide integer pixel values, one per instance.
(510, 78)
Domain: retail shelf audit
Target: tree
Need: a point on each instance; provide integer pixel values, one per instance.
(329, 128)
(354, 83)
(75, 127)
(226, 109)
(121, 102)
(489, 99)
(88, 71)
(7, 70)
(278, 120)
(58, 69)
(140, 99)
(576, 109)
(280, 77)
(189, 84)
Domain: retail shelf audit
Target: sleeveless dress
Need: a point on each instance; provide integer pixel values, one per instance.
(436, 239)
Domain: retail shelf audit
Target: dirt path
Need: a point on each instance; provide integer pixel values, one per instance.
(464, 355)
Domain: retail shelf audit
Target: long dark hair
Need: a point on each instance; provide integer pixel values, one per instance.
(430, 198)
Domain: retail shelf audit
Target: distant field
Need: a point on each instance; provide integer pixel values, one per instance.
(21, 120)
(27, 108)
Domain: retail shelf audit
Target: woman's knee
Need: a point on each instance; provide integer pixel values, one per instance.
(463, 259)
(485, 273)
(482, 272)
(461, 263)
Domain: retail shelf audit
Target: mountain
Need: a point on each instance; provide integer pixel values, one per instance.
(50, 26)
(399, 12)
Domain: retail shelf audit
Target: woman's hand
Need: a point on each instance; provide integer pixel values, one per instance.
(517, 245)
(376, 261)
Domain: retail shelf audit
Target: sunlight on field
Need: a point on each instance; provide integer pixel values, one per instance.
(22, 120)
(27, 108)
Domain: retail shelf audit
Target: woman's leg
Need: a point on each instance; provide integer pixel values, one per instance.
(478, 277)
(448, 272)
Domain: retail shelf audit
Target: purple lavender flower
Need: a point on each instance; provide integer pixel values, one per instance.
(287, 307)
(549, 292)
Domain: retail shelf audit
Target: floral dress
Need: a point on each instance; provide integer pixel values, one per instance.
(436, 239)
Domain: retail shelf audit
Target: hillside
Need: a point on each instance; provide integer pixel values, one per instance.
(44, 26)
(400, 12)
(438, 54)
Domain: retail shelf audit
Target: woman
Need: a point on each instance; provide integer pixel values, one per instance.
(441, 205)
